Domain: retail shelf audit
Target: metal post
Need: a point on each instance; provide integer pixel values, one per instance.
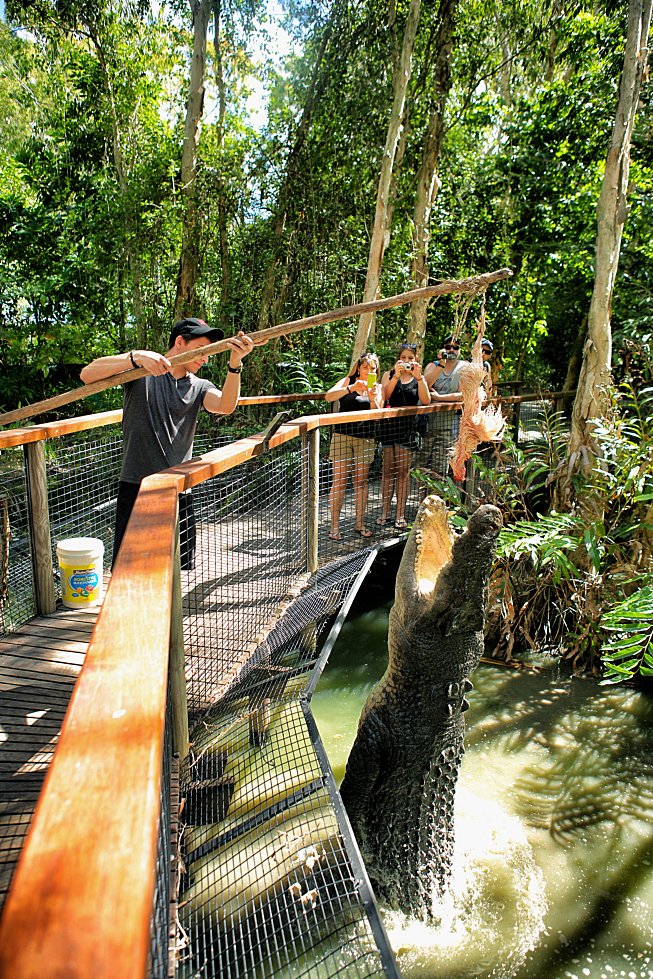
(39, 525)
(303, 498)
(516, 409)
(177, 671)
(313, 515)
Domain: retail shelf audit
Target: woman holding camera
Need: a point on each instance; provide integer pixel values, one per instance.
(353, 445)
(403, 386)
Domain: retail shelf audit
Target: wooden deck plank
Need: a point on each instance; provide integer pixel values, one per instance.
(39, 664)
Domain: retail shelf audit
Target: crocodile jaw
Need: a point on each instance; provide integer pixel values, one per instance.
(433, 542)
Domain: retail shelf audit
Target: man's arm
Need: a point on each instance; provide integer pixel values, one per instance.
(223, 402)
(103, 367)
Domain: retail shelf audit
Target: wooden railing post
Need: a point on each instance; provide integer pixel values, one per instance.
(177, 667)
(313, 515)
(39, 525)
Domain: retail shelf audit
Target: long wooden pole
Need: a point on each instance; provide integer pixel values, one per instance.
(473, 284)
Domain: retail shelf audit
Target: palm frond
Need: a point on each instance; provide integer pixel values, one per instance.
(629, 648)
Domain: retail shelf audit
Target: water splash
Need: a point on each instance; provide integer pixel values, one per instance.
(494, 913)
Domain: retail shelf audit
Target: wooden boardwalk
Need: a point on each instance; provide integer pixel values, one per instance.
(39, 664)
(228, 609)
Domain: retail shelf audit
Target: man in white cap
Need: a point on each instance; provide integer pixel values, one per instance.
(160, 414)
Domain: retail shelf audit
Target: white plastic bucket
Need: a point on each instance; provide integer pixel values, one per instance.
(80, 563)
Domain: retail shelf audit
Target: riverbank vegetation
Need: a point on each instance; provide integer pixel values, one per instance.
(570, 583)
(395, 144)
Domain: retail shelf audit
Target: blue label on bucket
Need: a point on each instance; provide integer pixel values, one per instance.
(83, 582)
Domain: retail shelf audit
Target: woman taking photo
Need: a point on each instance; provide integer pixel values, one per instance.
(403, 386)
(352, 445)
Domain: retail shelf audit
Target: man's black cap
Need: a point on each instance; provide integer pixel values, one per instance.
(195, 328)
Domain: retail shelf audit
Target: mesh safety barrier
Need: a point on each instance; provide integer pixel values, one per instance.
(273, 882)
(164, 877)
(368, 476)
(17, 603)
(243, 553)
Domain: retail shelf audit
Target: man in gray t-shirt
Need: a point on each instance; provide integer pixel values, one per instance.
(160, 414)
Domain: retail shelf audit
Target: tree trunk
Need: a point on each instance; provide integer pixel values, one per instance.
(225, 289)
(592, 404)
(130, 245)
(285, 199)
(428, 182)
(190, 252)
(401, 78)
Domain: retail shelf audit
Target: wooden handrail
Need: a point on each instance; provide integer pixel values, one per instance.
(52, 430)
(80, 903)
(281, 399)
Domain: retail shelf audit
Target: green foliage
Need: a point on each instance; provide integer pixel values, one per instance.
(629, 650)
(549, 542)
(563, 580)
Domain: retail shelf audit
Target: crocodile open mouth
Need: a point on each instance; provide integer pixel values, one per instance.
(433, 540)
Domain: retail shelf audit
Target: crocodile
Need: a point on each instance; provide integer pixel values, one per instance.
(402, 770)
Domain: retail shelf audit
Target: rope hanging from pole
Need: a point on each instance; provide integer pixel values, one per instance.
(477, 424)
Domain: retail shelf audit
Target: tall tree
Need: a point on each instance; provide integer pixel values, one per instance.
(189, 260)
(427, 176)
(225, 290)
(592, 404)
(401, 77)
(273, 296)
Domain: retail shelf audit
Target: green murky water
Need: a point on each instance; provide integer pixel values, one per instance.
(553, 870)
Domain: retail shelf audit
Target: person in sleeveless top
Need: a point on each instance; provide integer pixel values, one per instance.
(353, 444)
(160, 414)
(443, 380)
(403, 386)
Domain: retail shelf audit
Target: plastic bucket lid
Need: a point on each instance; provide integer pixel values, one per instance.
(80, 548)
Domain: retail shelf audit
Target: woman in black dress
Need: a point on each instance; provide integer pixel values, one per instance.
(403, 386)
(352, 445)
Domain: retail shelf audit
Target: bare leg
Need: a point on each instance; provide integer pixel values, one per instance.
(337, 495)
(387, 482)
(361, 484)
(403, 457)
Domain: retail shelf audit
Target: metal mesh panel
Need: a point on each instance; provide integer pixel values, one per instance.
(273, 883)
(82, 487)
(246, 420)
(532, 420)
(249, 526)
(17, 603)
(159, 945)
(371, 480)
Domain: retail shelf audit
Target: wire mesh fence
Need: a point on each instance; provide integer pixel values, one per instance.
(17, 603)
(159, 967)
(274, 885)
(250, 554)
(370, 484)
(83, 471)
